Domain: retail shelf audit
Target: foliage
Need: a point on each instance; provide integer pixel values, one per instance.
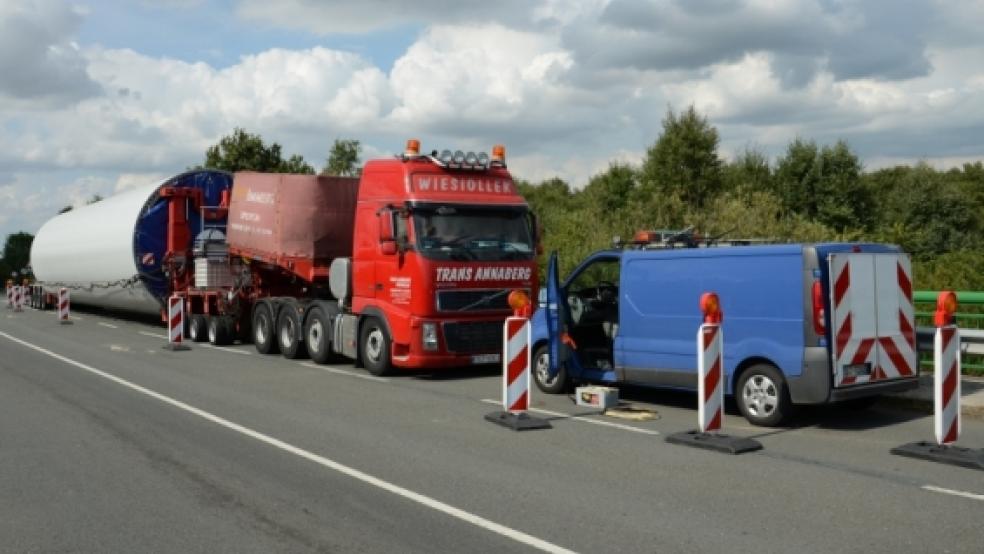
(343, 160)
(684, 160)
(242, 151)
(16, 253)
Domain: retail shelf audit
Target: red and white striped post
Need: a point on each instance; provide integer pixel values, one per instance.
(10, 294)
(516, 365)
(175, 323)
(18, 298)
(63, 306)
(516, 368)
(946, 358)
(710, 354)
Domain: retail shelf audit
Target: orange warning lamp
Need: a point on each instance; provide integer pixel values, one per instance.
(519, 301)
(946, 306)
(499, 154)
(710, 304)
(413, 148)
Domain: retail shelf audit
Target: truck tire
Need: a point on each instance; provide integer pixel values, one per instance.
(264, 336)
(374, 345)
(197, 328)
(762, 396)
(219, 330)
(541, 372)
(289, 332)
(317, 336)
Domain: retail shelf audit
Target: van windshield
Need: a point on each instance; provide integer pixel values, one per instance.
(498, 233)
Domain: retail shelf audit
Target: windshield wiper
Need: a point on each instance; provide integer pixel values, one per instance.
(484, 300)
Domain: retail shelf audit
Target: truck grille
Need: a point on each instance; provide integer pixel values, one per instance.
(454, 300)
(473, 336)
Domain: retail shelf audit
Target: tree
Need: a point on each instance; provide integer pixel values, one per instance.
(242, 151)
(684, 159)
(17, 252)
(343, 160)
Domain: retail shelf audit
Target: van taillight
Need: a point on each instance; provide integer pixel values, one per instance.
(818, 315)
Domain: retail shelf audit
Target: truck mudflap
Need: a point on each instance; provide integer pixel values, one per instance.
(874, 339)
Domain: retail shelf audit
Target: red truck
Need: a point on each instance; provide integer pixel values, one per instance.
(407, 266)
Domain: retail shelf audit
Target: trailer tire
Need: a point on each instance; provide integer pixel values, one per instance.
(197, 328)
(541, 368)
(290, 333)
(317, 336)
(762, 396)
(219, 330)
(264, 336)
(374, 345)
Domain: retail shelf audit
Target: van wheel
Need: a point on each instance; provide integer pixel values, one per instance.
(374, 343)
(317, 336)
(198, 328)
(263, 330)
(762, 396)
(541, 372)
(289, 333)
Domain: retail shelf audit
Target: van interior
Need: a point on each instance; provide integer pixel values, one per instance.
(592, 296)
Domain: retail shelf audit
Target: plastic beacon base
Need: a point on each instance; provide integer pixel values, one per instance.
(715, 441)
(517, 421)
(953, 455)
(176, 346)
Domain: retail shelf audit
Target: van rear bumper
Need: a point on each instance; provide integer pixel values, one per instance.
(814, 384)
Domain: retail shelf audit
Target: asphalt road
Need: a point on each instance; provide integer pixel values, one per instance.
(109, 443)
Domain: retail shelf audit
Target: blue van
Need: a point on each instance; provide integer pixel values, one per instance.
(803, 323)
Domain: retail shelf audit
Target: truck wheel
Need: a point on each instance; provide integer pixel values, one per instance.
(197, 328)
(317, 336)
(762, 396)
(374, 344)
(541, 372)
(289, 333)
(219, 331)
(263, 330)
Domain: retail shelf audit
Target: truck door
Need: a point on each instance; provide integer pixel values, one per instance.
(873, 332)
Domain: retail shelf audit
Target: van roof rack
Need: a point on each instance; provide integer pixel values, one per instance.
(681, 238)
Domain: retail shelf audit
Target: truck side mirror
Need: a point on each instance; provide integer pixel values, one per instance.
(387, 237)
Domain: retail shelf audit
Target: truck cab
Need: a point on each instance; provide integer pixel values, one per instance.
(803, 323)
(440, 241)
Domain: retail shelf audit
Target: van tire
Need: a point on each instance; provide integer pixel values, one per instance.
(762, 396)
(541, 366)
(374, 347)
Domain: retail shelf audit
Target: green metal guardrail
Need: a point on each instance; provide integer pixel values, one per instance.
(970, 315)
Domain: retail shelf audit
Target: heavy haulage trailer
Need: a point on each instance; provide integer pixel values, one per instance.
(407, 266)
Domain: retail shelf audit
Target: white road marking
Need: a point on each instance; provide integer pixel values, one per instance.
(119, 348)
(219, 348)
(340, 371)
(155, 335)
(110, 325)
(427, 501)
(954, 493)
(583, 419)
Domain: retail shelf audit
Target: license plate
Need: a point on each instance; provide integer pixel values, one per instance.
(857, 370)
(485, 359)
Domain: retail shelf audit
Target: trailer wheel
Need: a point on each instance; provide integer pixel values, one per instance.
(374, 343)
(541, 372)
(317, 336)
(762, 396)
(263, 330)
(219, 330)
(197, 328)
(289, 333)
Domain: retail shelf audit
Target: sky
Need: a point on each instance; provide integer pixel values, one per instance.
(100, 95)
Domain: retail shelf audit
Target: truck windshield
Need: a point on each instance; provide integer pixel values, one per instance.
(473, 233)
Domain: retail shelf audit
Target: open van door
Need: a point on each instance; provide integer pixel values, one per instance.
(556, 317)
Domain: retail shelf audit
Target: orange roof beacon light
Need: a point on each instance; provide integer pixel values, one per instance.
(946, 307)
(643, 237)
(519, 301)
(499, 154)
(710, 304)
(413, 148)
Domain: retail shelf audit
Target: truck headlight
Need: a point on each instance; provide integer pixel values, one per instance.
(429, 338)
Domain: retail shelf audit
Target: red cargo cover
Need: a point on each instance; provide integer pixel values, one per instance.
(277, 215)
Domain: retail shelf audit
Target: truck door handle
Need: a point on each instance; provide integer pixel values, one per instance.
(379, 286)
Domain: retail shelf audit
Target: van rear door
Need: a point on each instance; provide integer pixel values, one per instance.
(873, 332)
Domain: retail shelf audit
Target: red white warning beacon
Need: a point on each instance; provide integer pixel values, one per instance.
(946, 358)
(175, 323)
(710, 355)
(63, 306)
